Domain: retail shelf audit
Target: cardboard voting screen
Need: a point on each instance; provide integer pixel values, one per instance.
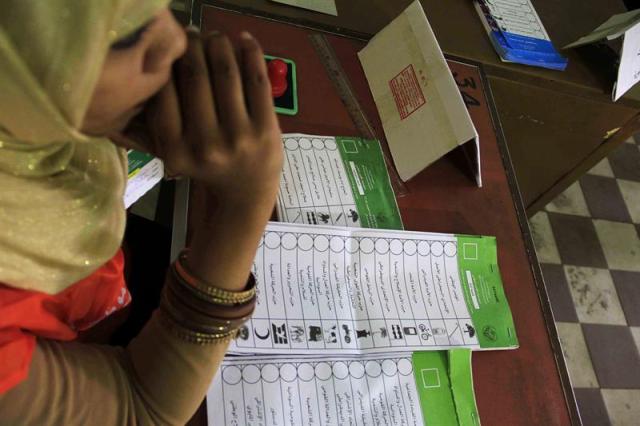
(422, 111)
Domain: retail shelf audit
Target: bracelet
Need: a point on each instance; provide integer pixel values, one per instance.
(224, 304)
(224, 296)
(189, 296)
(193, 320)
(195, 336)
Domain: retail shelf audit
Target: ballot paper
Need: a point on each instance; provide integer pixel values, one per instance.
(517, 33)
(336, 181)
(428, 388)
(335, 290)
(324, 6)
(144, 172)
(627, 25)
(629, 68)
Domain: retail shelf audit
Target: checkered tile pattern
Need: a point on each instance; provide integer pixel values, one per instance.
(588, 244)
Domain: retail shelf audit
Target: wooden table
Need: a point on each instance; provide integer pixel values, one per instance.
(525, 386)
(557, 124)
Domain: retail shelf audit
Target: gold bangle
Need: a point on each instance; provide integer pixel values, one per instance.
(193, 320)
(208, 289)
(207, 297)
(185, 296)
(195, 336)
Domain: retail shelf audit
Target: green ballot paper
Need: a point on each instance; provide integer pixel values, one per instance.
(144, 172)
(340, 181)
(336, 290)
(444, 382)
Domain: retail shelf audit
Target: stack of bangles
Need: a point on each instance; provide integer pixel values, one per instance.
(201, 313)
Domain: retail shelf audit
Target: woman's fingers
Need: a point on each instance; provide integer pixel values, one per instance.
(196, 99)
(256, 83)
(227, 85)
(164, 121)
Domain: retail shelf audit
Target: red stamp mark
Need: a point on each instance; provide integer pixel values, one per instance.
(407, 92)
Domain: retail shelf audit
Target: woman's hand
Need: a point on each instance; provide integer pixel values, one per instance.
(216, 122)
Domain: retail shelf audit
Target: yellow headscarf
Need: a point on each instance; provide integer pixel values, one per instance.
(61, 207)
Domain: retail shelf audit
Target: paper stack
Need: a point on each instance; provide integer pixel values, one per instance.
(517, 34)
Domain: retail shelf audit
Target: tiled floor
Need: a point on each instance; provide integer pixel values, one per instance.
(588, 244)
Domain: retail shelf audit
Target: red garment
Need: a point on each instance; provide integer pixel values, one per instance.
(25, 315)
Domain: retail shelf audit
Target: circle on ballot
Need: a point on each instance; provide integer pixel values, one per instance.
(337, 244)
(289, 241)
(272, 240)
(305, 242)
(305, 372)
(410, 247)
(405, 367)
(291, 144)
(389, 368)
(323, 371)
(373, 369)
(318, 144)
(305, 143)
(396, 247)
(450, 249)
(251, 374)
(321, 243)
(288, 372)
(270, 373)
(423, 248)
(352, 245)
(340, 370)
(382, 246)
(356, 370)
(231, 375)
(366, 245)
(330, 144)
(437, 249)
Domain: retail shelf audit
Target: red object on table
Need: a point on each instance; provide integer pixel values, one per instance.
(277, 69)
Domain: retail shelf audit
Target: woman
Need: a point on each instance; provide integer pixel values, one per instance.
(71, 75)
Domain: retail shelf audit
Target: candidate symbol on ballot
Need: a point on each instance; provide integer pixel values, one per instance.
(469, 330)
(490, 333)
(243, 333)
(261, 335)
(439, 331)
(396, 332)
(297, 333)
(331, 335)
(424, 332)
(361, 334)
(347, 333)
(279, 334)
(315, 333)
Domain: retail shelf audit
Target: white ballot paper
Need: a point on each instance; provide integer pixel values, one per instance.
(336, 181)
(629, 68)
(627, 25)
(335, 290)
(432, 388)
(144, 172)
(327, 391)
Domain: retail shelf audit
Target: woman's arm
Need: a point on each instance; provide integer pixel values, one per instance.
(234, 150)
(157, 379)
